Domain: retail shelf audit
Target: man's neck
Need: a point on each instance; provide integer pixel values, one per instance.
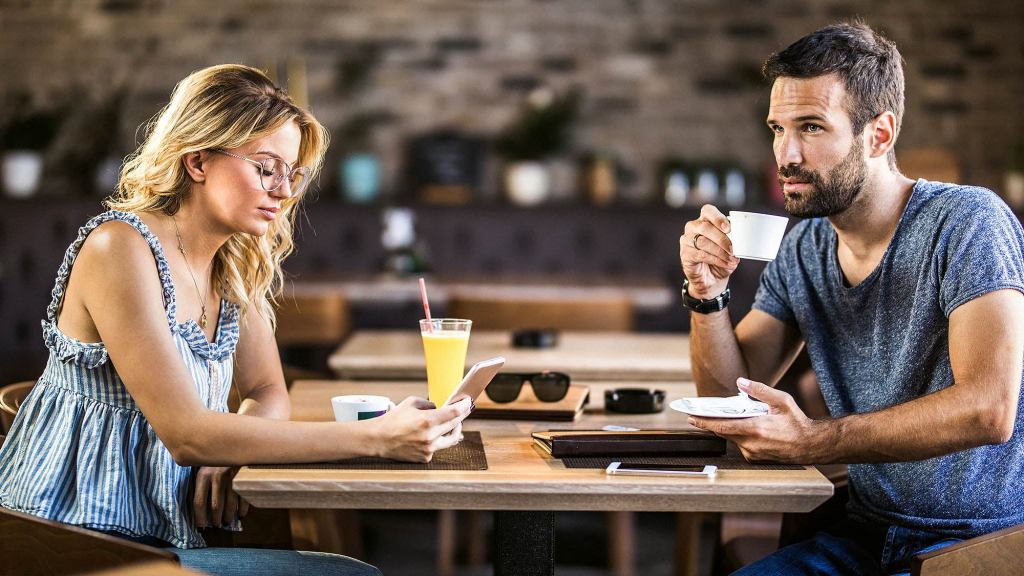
(866, 227)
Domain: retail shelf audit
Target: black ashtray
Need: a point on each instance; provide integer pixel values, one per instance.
(535, 338)
(634, 400)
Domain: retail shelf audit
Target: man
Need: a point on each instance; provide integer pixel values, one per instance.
(908, 296)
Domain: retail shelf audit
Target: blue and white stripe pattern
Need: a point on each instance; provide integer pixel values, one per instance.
(81, 452)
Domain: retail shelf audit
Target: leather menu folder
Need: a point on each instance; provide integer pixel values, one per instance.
(683, 442)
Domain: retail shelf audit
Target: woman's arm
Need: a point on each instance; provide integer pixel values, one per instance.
(257, 374)
(122, 295)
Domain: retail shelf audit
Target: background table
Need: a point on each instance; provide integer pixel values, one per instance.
(645, 294)
(398, 354)
(520, 477)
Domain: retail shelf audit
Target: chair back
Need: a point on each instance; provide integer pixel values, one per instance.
(33, 545)
(11, 397)
(997, 554)
(313, 319)
(613, 313)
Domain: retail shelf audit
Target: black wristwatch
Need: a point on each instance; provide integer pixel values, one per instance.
(716, 304)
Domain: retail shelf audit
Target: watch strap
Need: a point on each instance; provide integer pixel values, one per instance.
(716, 304)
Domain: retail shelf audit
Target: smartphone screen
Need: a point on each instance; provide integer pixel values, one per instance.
(662, 469)
(675, 467)
(478, 377)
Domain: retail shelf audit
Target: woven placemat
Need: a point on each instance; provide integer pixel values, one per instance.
(732, 460)
(466, 455)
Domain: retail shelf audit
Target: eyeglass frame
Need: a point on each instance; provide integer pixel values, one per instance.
(303, 170)
(525, 377)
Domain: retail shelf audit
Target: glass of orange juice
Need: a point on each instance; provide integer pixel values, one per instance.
(445, 341)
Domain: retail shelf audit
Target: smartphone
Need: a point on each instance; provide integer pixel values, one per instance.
(478, 377)
(618, 468)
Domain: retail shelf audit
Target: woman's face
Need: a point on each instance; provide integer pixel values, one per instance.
(233, 194)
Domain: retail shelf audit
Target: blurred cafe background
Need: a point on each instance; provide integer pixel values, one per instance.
(484, 144)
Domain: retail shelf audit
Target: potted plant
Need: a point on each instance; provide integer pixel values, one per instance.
(542, 130)
(359, 168)
(25, 139)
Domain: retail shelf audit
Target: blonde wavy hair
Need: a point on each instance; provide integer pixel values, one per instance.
(222, 106)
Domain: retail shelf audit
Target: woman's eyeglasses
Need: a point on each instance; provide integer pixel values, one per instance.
(547, 386)
(274, 171)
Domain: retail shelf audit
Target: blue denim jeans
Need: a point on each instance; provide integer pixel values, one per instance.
(249, 561)
(851, 547)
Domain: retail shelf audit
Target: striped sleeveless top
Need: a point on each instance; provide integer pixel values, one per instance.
(81, 452)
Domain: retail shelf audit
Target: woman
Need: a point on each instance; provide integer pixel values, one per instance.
(158, 306)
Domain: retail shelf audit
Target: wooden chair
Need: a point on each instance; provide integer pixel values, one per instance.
(309, 327)
(33, 545)
(611, 313)
(11, 397)
(997, 554)
(313, 320)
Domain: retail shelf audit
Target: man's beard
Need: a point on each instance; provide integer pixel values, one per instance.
(828, 196)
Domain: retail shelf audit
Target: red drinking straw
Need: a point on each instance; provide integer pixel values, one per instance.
(426, 305)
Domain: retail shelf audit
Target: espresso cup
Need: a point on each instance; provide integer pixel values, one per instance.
(355, 407)
(756, 236)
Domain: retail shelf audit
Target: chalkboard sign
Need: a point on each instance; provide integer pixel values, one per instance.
(446, 167)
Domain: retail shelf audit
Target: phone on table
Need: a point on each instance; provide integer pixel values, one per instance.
(478, 377)
(618, 468)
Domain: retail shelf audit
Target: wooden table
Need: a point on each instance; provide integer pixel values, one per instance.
(398, 355)
(648, 295)
(522, 484)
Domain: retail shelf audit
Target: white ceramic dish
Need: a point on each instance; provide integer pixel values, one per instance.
(714, 407)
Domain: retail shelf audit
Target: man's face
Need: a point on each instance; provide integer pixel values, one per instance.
(821, 162)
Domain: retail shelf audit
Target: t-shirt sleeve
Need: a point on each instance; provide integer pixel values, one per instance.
(772, 296)
(981, 250)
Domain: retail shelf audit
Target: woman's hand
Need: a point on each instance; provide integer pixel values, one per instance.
(215, 504)
(414, 429)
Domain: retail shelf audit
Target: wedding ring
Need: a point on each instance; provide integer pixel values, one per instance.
(695, 236)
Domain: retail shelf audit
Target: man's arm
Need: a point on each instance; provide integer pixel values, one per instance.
(761, 348)
(986, 349)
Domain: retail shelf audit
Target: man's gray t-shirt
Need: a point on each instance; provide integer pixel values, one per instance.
(885, 342)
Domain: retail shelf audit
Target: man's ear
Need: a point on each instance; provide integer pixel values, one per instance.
(881, 134)
(193, 163)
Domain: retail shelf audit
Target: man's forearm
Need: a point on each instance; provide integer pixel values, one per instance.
(715, 354)
(933, 425)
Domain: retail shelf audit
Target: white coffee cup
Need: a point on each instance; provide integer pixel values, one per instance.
(756, 236)
(355, 407)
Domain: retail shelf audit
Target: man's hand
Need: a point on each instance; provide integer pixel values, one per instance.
(215, 504)
(705, 253)
(785, 434)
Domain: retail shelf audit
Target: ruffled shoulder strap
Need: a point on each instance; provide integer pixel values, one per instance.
(60, 285)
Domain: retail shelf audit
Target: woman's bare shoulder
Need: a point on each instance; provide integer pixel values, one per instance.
(116, 250)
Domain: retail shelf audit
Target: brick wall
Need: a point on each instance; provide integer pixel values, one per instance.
(661, 77)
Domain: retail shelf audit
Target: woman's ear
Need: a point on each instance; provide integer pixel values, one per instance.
(193, 163)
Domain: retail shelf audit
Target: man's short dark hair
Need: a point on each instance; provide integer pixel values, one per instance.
(868, 63)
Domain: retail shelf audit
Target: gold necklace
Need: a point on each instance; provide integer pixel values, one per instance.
(181, 248)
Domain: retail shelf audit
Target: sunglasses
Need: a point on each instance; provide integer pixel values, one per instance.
(547, 386)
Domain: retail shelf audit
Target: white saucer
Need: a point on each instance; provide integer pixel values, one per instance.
(712, 407)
